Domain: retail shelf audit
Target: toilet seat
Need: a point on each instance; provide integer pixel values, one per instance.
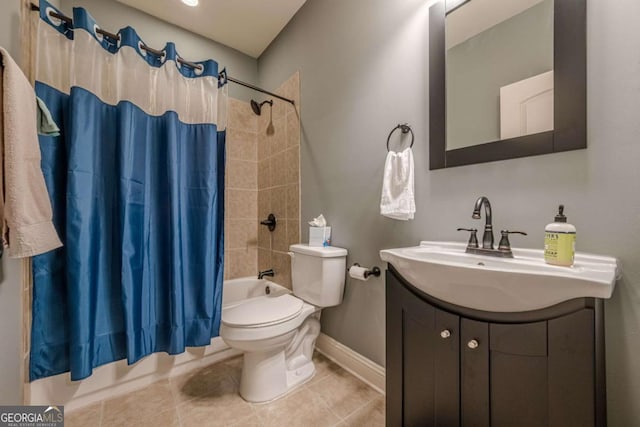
(262, 311)
(254, 334)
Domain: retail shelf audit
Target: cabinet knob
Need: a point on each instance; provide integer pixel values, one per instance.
(473, 344)
(445, 334)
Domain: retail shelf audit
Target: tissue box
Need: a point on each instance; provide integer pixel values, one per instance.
(319, 236)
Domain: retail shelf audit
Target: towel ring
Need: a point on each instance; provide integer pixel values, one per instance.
(405, 128)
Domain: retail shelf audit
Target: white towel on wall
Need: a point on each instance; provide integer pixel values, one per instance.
(398, 201)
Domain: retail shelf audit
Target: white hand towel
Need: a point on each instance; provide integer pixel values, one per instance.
(398, 201)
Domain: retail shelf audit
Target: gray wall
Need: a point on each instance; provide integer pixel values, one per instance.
(513, 50)
(364, 69)
(112, 16)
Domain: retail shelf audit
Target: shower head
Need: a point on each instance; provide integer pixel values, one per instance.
(257, 108)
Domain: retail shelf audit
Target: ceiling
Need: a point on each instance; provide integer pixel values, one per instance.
(246, 25)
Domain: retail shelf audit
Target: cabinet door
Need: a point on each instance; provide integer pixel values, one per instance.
(475, 373)
(542, 374)
(572, 391)
(422, 361)
(447, 370)
(519, 378)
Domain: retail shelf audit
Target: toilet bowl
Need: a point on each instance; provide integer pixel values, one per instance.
(277, 352)
(277, 333)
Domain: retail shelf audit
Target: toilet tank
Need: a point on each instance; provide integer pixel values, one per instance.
(318, 274)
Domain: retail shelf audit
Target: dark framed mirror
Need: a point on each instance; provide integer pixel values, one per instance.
(507, 79)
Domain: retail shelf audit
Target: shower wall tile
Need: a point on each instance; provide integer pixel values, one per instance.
(241, 192)
(279, 106)
(264, 259)
(293, 232)
(241, 144)
(292, 165)
(264, 203)
(241, 233)
(241, 116)
(264, 238)
(241, 262)
(227, 270)
(263, 144)
(278, 150)
(279, 202)
(293, 201)
(267, 135)
(264, 118)
(282, 265)
(278, 169)
(264, 209)
(242, 174)
(278, 141)
(242, 204)
(279, 237)
(264, 174)
(293, 130)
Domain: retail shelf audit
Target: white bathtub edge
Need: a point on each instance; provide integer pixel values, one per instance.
(115, 379)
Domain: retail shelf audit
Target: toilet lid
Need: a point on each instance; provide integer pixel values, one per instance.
(262, 311)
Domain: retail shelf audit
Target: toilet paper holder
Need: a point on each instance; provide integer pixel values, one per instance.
(375, 271)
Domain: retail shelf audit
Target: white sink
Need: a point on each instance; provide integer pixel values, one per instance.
(522, 283)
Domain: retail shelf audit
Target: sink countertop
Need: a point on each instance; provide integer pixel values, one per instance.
(523, 283)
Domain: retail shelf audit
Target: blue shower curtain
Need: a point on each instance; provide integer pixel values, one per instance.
(136, 181)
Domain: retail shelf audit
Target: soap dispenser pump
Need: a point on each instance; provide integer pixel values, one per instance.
(560, 241)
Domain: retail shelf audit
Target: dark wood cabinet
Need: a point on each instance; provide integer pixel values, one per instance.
(453, 366)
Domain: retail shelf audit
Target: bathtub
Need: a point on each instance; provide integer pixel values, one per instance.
(119, 378)
(237, 290)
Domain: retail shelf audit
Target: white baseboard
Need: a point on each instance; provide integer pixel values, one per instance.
(358, 365)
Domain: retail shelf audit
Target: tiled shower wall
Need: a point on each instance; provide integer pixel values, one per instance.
(241, 192)
(263, 177)
(279, 180)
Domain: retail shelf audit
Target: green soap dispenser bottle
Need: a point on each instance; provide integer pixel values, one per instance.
(560, 241)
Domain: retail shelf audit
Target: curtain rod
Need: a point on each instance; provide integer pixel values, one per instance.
(112, 36)
(256, 88)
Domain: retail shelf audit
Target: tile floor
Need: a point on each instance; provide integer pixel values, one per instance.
(209, 397)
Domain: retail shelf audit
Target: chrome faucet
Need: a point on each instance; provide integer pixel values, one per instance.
(264, 273)
(487, 237)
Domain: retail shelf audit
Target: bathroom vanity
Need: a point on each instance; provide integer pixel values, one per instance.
(479, 363)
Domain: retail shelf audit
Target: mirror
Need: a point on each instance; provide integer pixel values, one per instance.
(499, 65)
(507, 79)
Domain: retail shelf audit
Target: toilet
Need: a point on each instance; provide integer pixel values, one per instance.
(277, 332)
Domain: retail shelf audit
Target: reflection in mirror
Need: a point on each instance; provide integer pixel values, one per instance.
(499, 70)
